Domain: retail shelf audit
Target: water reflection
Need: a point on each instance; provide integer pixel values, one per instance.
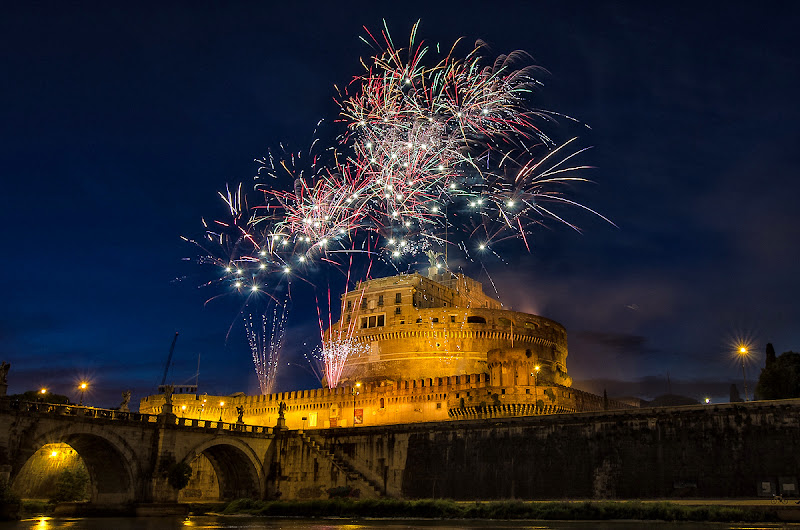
(261, 523)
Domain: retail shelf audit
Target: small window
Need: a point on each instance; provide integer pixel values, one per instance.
(438, 405)
(398, 298)
(435, 320)
(419, 321)
(402, 322)
(363, 303)
(363, 322)
(452, 318)
(349, 305)
(382, 403)
(396, 310)
(380, 300)
(381, 320)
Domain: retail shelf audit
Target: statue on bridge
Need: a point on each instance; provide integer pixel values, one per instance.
(281, 409)
(240, 413)
(126, 398)
(168, 389)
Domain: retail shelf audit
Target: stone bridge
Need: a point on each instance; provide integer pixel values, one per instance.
(128, 455)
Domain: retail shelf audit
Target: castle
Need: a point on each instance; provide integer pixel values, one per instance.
(429, 347)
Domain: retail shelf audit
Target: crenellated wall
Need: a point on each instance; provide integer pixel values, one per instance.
(427, 399)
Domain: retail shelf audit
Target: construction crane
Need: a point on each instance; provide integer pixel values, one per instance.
(169, 362)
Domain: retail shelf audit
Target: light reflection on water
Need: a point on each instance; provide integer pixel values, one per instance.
(211, 522)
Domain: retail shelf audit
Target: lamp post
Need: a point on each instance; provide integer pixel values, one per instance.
(82, 387)
(743, 354)
(42, 393)
(221, 404)
(183, 410)
(355, 393)
(535, 375)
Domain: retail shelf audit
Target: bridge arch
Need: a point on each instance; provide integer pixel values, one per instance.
(114, 471)
(240, 473)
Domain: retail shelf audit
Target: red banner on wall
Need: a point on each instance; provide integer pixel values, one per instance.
(358, 417)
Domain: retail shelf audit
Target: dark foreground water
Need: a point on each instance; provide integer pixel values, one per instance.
(209, 522)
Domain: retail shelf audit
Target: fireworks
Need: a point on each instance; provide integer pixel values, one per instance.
(265, 336)
(336, 350)
(437, 153)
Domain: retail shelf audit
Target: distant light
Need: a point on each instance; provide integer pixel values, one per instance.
(237, 284)
(263, 253)
(441, 168)
(301, 259)
(238, 271)
(227, 269)
(482, 247)
(43, 391)
(262, 266)
(254, 288)
(287, 269)
(54, 454)
(435, 209)
(395, 253)
(485, 111)
(369, 145)
(452, 185)
(391, 241)
(510, 204)
(323, 242)
(438, 265)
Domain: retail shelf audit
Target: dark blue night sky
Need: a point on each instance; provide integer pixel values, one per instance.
(121, 121)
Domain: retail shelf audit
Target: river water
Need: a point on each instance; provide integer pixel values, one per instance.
(209, 522)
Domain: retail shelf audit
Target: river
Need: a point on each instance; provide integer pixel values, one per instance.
(209, 522)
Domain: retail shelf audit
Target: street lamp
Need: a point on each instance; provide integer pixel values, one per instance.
(355, 393)
(42, 393)
(183, 410)
(743, 354)
(82, 387)
(221, 404)
(535, 375)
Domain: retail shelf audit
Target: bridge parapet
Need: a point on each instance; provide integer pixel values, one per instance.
(209, 426)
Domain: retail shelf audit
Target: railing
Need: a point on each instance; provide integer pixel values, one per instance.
(79, 411)
(56, 409)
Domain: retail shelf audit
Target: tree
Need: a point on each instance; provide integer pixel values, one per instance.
(780, 379)
(770, 354)
(71, 486)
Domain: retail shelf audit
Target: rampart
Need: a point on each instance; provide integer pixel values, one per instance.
(390, 402)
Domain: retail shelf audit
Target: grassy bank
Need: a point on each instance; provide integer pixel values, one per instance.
(446, 509)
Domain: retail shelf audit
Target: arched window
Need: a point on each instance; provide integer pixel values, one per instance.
(382, 406)
(473, 319)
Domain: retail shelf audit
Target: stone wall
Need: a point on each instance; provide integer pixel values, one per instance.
(697, 451)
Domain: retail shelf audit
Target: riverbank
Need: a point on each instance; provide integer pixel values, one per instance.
(515, 510)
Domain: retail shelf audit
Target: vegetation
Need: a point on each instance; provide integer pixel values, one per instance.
(178, 475)
(9, 503)
(447, 509)
(780, 378)
(71, 486)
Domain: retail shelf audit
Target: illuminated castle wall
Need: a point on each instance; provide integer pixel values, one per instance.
(415, 327)
(436, 348)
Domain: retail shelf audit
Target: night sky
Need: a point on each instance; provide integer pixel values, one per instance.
(121, 121)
